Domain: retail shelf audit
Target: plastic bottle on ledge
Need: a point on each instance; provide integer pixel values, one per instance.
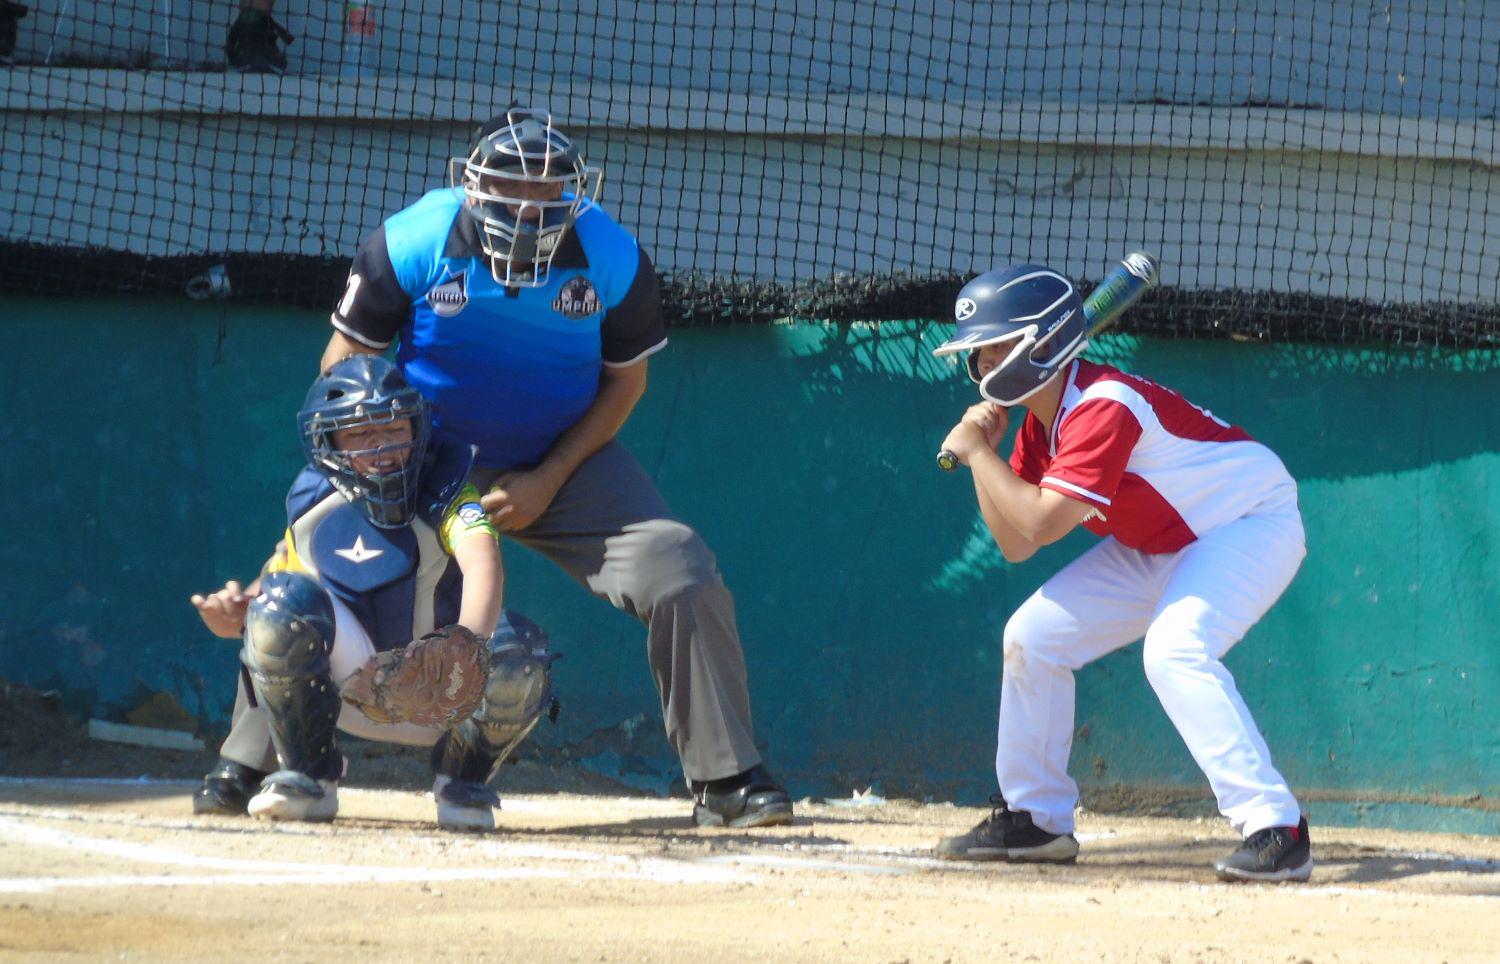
(361, 53)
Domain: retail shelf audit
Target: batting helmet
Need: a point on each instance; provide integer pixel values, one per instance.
(367, 390)
(525, 183)
(1038, 308)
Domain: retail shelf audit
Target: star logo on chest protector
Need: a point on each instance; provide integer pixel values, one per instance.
(358, 553)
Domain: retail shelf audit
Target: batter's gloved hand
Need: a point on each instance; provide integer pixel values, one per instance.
(435, 681)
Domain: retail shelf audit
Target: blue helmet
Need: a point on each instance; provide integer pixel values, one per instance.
(1035, 305)
(367, 390)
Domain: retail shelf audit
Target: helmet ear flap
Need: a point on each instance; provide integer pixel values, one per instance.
(972, 364)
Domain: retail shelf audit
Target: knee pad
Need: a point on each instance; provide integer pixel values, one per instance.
(289, 631)
(289, 627)
(517, 693)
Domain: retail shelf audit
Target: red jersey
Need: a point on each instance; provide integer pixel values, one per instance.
(1158, 470)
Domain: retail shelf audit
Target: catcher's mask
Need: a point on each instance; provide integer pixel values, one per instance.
(525, 183)
(1037, 307)
(361, 391)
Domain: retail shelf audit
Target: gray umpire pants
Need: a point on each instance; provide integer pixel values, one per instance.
(611, 531)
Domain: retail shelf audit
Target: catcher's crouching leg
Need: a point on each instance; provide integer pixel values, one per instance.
(518, 691)
(289, 631)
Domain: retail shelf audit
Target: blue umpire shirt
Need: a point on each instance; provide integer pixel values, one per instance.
(508, 370)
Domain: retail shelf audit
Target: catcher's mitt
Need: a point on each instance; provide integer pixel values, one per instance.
(436, 681)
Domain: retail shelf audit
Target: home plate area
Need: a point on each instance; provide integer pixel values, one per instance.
(121, 867)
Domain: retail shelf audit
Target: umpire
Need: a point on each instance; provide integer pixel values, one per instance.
(526, 315)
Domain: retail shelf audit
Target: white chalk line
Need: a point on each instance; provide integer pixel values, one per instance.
(1343, 890)
(97, 782)
(778, 861)
(1467, 863)
(581, 865)
(892, 860)
(602, 865)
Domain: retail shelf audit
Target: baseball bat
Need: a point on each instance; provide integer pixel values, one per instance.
(1120, 289)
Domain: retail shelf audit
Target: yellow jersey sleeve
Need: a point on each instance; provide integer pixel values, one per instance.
(285, 558)
(463, 518)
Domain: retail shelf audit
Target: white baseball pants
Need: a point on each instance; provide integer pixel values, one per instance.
(1191, 606)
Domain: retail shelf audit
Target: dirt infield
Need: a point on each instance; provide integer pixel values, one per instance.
(94, 869)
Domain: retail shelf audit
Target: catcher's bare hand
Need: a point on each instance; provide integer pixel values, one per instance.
(434, 681)
(223, 612)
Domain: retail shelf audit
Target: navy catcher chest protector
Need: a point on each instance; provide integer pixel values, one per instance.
(1036, 307)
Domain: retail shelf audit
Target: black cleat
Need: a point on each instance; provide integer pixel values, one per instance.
(254, 44)
(1273, 855)
(749, 799)
(1011, 836)
(227, 789)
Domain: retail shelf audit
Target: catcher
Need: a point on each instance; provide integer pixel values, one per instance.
(386, 542)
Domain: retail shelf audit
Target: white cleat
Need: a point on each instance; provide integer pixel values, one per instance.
(288, 795)
(464, 806)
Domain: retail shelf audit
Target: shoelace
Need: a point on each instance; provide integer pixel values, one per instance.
(1266, 842)
(1001, 809)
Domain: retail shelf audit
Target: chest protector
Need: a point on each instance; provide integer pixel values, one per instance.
(398, 583)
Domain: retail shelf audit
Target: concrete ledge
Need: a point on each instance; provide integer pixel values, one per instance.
(107, 732)
(403, 98)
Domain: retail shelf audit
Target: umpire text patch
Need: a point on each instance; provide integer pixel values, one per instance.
(577, 299)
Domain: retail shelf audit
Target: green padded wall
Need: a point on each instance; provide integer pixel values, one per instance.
(149, 444)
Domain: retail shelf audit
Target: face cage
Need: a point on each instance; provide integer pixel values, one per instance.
(520, 251)
(1021, 374)
(389, 501)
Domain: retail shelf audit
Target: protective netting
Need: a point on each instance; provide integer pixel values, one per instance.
(1303, 170)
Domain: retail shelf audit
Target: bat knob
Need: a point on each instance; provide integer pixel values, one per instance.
(947, 461)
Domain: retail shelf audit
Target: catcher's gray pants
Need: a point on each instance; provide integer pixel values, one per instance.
(611, 530)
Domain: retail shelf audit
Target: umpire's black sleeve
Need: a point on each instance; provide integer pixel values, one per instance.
(374, 307)
(634, 328)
